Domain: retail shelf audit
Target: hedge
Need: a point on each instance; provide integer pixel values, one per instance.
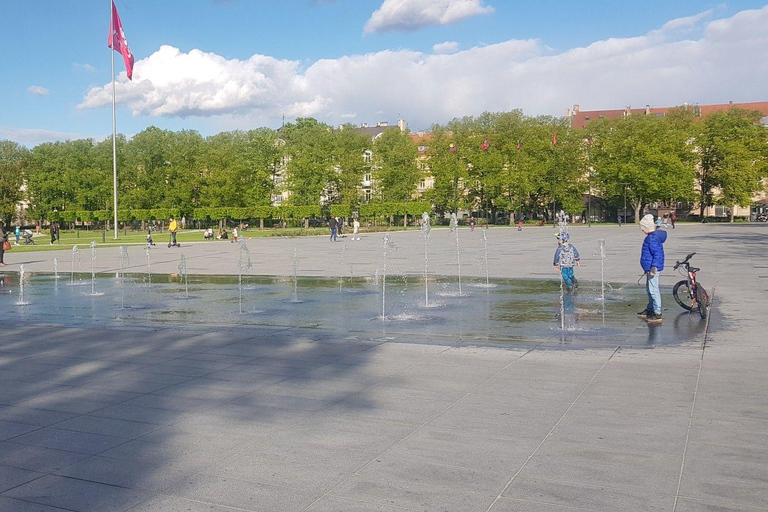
(247, 212)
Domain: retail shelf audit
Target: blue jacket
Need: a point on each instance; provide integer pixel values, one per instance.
(652, 254)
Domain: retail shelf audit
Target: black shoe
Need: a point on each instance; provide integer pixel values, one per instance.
(644, 313)
(654, 318)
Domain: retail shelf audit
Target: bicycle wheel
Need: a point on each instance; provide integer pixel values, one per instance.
(683, 295)
(703, 300)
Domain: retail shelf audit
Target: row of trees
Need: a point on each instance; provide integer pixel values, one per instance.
(492, 162)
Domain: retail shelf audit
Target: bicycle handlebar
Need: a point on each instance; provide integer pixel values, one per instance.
(685, 261)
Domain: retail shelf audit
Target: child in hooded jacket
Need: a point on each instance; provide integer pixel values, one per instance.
(566, 256)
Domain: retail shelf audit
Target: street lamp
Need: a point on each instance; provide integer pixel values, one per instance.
(624, 213)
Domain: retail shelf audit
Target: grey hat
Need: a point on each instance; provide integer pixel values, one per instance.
(647, 224)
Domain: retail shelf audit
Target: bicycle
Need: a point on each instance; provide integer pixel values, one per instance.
(688, 292)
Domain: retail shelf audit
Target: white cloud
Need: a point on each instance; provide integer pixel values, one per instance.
(415, 14)
(349, 115)
(84, 67)
(661, 68)
(32, 136)
(446, 47)
(38, 90)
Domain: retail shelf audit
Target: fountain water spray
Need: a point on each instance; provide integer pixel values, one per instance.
(149, 267)
(343, 254)
(124, 262)
(295, 276)
(75, 256)
(243, 265)
(562, 221)
(22, 278)
(387, 244)
(93, 270)
(55, 268)
(485, 256)
(602, 275)
(426, 230)
(183, 274)
(455, 231)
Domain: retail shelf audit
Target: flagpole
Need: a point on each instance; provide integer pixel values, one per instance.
(114, 122)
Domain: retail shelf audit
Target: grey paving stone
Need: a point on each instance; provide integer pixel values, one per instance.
(108, 426)
(173, 504)
(146, 475)
(9, 429)
(584, 496)
(13, 477)
(156, 452)
(337, 504)
(36, 458)
(136, 413)
(626, 471)
(240, 494)
(393, 468)
(694, 505)
(309, 478)
(12, 505)
(728, 474)
(80, 442)
(77, 494)
(403, 493)
(466, 449)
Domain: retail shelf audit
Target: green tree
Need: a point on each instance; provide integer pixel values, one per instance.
(734, 158)
(310, 167)
(649, 158)
(13, 161)
(348, 150)
(395, 167)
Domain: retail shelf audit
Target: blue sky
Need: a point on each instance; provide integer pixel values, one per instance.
(215, 65)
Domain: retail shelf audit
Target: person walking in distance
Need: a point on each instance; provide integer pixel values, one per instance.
(333, 225)
(673, 219)
(355, 229)
(173, 227)
(3, 244)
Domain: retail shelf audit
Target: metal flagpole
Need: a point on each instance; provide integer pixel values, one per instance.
(114, 123)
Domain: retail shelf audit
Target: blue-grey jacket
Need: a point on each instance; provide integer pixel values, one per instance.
(652, 254)
(567, 261)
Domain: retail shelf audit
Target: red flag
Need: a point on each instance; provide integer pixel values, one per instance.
(485, 145)
(554, 138)
(518, 144)
(118, 42)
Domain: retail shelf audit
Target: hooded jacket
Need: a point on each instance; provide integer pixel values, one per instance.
(652, 253)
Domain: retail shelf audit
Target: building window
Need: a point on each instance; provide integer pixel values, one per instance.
(422, 184)
(367, 195)
(367, 156)
(367, 177)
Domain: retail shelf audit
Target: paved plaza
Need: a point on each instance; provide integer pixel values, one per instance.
(273, 418)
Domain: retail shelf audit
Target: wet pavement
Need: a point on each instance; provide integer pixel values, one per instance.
(325, 408)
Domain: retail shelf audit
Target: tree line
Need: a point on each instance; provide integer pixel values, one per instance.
(496, 162)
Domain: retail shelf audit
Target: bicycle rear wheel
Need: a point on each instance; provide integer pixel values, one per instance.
(703, 300)
(683, 295)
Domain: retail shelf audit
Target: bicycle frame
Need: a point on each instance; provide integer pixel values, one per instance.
(689, 293)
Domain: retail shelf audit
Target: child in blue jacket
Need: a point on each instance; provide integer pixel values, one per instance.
(566, 256)
(652, 261)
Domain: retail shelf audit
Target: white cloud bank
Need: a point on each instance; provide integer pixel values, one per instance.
(38, 90)
(415, 14)
(31, 137)
(445, 48)
(662, 68)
